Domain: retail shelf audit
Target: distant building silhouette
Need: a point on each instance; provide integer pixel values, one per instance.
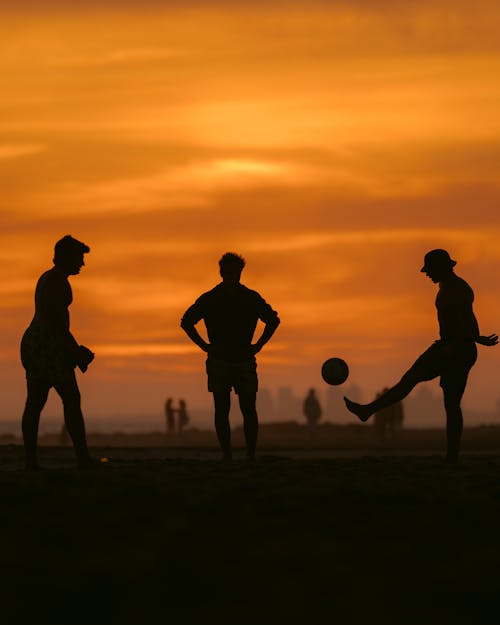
(335, 410)
(424, 407)
(289, 405)
(389, 419)
(265, 404)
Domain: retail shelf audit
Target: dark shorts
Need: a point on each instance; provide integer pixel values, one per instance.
(223, 376)
(451, 362)
(45, 359)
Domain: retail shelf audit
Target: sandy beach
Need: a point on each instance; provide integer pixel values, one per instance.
(173, 535)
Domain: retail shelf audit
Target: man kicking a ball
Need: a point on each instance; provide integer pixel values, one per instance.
(451, 357)
(231, 312)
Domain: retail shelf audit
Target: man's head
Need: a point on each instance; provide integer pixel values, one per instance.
(230, 266)
(438, 265)
(68, 254)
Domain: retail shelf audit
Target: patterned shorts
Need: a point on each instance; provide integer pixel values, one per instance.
(45, 358)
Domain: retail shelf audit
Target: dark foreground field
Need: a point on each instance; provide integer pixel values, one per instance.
(144, 539)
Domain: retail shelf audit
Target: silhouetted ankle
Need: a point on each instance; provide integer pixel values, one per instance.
(362, 412)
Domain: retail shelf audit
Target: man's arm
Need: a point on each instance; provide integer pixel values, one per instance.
(194, 335)
(190, 318)
(54, 302)
(489, 341)
(269, 330)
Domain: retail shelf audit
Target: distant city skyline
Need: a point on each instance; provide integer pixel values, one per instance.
(423, 409)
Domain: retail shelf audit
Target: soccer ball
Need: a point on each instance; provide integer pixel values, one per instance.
(335, 371)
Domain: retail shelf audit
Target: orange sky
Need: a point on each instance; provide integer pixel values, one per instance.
(332, 144)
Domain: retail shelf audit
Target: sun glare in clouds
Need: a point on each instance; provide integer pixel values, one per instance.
(332, 144)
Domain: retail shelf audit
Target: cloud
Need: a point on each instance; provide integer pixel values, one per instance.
(190, 186)
(8, 151)
(142, 349)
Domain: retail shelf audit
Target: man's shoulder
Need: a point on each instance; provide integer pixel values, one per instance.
(220, 291)
(52, 277)
(214, 292)
(461, 285)
(207, 297)
(457, 288)
(250, 293)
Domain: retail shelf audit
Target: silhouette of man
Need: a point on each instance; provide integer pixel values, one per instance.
(312, 409)
(169, 416)
(182, 415)
(50, 353)
(450, 358)
(231, 312)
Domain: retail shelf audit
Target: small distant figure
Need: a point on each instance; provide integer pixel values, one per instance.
(182, 415)
(388, 419)
(231, 312)
(169, 417)
(312, 409)
(50, 353)
(450, 358)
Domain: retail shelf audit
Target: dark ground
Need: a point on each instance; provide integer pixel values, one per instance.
(144, 539)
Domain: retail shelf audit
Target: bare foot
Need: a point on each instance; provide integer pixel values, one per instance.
(362, 412)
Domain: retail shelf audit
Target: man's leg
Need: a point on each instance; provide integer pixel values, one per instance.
(35, 401)
(222, 404)
(250, 422)
(393, 395)
(426, 367)
(73, 418)
(453, 382)
(453, 392)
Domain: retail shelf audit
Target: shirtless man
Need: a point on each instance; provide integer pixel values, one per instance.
(231, 312)
(451, 357)
(50, 353)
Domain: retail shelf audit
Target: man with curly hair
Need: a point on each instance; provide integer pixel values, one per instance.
(230, 312)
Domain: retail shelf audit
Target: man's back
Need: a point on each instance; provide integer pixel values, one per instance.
(455, 314)
(230, 313)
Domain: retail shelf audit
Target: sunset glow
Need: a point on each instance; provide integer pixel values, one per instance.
(330, 143)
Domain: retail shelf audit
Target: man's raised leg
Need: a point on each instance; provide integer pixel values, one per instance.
(393, 395)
